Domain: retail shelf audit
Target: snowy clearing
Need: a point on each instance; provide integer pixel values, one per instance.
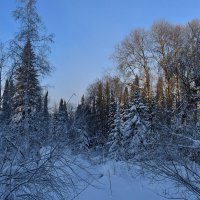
(116, 183)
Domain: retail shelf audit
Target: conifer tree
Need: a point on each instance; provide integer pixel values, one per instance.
(134, 88)
(61, 123)
(92, 127)
(134, 126)
(125, 105)
(81, 138)
(100, 107)
(6, 109)
(83, 100)
(45, 107)
(116, 139)
(7, 100)
(125, 98)
(44, 118)
(28, 90)
(27, 101)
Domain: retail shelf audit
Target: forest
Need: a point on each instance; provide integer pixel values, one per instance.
(147, 115)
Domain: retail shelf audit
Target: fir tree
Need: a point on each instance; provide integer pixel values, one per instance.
(92, 127)
(45, 107)
(6, 109)
(116, 140)
(125, 98)
(7, 101)
(134, 87)
(27, 84)
(134, 126)
(80, 135)
(100, 108)
(83, 100)
(61, 122)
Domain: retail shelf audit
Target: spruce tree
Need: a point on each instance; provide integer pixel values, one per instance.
(92, 127)
(134, 88)
(83, 100)
(125, 98)
(81, 140)
(116, 138)
(61, 122)
(6, 109)
(134, 128)
(100, 107)
(45, 107)
(28, 90)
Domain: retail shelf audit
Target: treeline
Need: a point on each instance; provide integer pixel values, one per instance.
(150, 117)
(162, 66)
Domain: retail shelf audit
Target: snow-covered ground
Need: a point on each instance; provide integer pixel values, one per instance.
(116, 183)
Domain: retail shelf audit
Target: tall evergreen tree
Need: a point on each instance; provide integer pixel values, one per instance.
(61, 122)
(116, 138)
(134, 88)
(27, 100)
(44, 119)
(6, 109)
(81, 140)
(134, 127)
(28, 90)
(125, 98)
(92, 127)
(45, 107)
(100, 107)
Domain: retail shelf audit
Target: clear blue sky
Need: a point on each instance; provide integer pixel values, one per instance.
(86, 32)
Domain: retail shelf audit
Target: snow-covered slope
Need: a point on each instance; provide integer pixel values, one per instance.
(116, 183)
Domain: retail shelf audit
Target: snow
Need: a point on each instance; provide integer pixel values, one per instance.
(116, 183)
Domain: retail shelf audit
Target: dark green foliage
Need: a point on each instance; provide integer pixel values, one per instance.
(28, 90)
(45, 107)
(6, 109)
(116, 139)
(60, 123)
(100, 114)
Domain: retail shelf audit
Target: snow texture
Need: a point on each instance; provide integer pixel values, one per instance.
(116, 183)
